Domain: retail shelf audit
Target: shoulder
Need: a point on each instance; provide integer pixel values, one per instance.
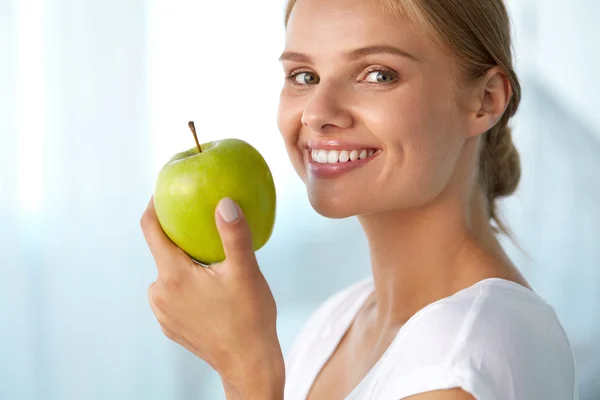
(492, 316)
(505, 324)
(493, 337)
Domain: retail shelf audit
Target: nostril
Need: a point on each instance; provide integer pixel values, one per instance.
(327, 127)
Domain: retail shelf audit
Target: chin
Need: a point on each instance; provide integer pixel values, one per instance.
(334, 208)
(332, 212)
(338, 205)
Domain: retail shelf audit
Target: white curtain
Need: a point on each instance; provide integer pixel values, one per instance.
(76, 173)
(96, 95)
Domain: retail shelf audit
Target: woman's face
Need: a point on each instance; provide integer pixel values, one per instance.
(360, 81)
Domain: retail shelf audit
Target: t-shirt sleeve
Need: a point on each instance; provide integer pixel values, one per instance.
(439, 378)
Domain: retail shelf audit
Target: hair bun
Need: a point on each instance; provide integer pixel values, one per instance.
(504, 164)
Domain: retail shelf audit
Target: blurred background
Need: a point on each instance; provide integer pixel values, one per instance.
(95, 96)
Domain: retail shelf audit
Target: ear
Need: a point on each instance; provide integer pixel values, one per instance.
(490, 98)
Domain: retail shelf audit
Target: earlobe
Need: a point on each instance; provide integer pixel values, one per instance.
(483, 119)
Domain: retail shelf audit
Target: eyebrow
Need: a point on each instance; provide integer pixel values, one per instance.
(354, 54)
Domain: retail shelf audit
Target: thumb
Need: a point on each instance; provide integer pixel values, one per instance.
(235, 233)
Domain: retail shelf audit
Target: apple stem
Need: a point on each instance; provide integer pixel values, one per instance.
(193, 129)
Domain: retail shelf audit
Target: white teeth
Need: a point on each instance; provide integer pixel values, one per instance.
(333, 156)
(344, 156)
(322, 156)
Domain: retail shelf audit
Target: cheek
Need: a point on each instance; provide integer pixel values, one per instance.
(433, 153)
(423, 146)
(289, 116)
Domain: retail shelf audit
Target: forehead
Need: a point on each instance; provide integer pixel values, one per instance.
(323, 27)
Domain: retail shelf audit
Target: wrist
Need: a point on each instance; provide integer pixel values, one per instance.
(260, 380)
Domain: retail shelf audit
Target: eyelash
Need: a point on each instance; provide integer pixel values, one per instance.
(292, 77)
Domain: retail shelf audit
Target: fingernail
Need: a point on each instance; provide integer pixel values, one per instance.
(227, 209)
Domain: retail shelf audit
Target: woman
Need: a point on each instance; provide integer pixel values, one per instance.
(396, 112)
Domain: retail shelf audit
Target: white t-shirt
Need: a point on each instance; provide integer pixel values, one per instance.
(496, 340)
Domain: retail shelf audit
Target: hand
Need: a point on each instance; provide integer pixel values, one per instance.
(225, 313)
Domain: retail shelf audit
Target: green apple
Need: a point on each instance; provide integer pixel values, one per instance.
(192, 183)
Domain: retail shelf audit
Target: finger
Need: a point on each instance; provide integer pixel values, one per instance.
(235, 235)
(164, 251)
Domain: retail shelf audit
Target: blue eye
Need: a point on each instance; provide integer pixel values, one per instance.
(380, 76)
(304, 78)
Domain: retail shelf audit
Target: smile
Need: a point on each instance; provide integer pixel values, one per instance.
(323, 156)
(323, 163)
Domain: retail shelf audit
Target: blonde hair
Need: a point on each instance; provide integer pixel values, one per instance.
(477, 34)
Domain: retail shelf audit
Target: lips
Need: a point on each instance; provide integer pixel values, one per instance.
(331, 158)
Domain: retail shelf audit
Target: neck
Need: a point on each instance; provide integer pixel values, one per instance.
(422, 255)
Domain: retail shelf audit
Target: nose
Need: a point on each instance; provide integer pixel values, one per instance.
(325, 111)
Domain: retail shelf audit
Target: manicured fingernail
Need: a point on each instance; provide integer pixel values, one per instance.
(227, 209)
